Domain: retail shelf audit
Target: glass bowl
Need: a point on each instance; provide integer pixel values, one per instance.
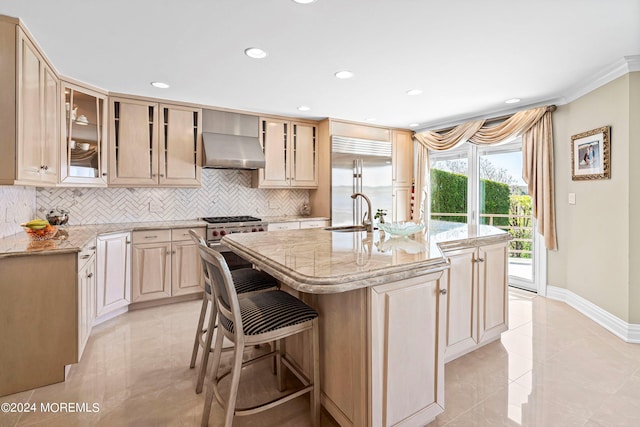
(46, 233)
(400, 228)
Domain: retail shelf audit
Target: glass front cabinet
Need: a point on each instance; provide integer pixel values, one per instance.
(83, 142)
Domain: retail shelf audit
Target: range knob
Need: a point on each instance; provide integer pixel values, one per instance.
(215, 233)
(222, 233)
(253, 230)
(260, 229)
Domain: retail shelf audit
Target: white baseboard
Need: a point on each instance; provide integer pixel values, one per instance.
(628, 332)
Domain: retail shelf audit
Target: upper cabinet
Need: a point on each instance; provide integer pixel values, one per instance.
(29, 101)
(83, 153)
(402, 153)
(290, 150)
(153, 144)
(402, 162)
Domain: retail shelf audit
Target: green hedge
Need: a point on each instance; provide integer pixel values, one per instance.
(449, 195)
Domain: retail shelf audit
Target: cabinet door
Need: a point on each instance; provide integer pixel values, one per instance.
(275, 143)
(151, 271)
(407, 349)
(114, 273)
(304, 157)
(30, 129)
(180, 147)
(186, 269)
(86, 303)
(402, 158)
(51, 129)
(133, 142)
(401, 204)
(462, 296)
(83, 150)
(493, 287)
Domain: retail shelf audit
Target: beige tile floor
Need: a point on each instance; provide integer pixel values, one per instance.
(554, 367)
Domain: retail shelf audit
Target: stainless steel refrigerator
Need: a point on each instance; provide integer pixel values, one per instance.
(363, 166)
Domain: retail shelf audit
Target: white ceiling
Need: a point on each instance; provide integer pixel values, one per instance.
(467, 56)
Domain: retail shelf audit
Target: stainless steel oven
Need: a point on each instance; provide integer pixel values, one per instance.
(218, 227)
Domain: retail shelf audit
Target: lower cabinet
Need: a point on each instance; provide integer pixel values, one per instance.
(295, 225)
(113, 267)
(407, 346)
(477, 302)
(401, 204)
(86, 294)
(166, 263)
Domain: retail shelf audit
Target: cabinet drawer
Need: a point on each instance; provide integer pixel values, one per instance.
(150, 236)
(85, 254)
(294, 225)
(181, 234)
(313, 224)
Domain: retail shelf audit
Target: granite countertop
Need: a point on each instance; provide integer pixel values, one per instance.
(291, 218)
(321, 261)
(74, 238)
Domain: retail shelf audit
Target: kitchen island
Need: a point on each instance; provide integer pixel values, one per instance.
(386, 306)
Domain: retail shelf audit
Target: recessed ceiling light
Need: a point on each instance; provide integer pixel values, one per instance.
(255, 52)
(512, 101)
(344, 74)
(414, 125)
(160, 85)
(304, 1)
(414, 92)
(304, 108)
(371, 119)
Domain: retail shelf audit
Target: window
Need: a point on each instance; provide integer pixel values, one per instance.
(483, 185)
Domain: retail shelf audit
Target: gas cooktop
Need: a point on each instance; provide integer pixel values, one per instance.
(226, 219)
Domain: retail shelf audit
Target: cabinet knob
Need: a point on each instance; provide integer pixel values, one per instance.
(104, 174)
(46, 167)
(161, 175)
(92, 248)
(90, 275)
(168, 252)
(85, 256)
(443, 291)
(480, 260)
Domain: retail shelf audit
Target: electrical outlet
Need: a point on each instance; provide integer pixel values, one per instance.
(155, 206)
(572, 198)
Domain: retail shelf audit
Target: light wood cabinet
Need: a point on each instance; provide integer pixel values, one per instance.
(291, 154)
(166, 263)
(402, 162)
(477, 301)
(401, 204)
(407, 348)
(86, 295)
(83, 148)
(29, 123)
(113, 268)
(153, 144)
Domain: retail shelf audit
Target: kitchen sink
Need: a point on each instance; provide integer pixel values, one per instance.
(347, 228)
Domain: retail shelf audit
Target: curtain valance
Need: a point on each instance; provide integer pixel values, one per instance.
(535, 127)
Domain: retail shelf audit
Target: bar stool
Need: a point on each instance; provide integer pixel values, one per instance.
(247, 280)
(256, 319)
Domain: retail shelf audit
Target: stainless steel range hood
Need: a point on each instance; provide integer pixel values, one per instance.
(231, 141)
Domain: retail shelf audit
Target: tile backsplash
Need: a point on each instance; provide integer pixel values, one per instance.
(17, 204)
(223, 192)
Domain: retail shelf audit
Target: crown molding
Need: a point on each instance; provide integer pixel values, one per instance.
(619, 68)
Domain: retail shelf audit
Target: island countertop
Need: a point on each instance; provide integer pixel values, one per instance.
(322, 261)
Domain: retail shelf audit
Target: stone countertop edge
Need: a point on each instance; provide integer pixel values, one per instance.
(19, 244)
(344, 283)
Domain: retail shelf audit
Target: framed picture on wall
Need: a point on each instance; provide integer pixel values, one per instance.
(591, 154)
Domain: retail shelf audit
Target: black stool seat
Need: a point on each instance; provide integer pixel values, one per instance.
(251, 280)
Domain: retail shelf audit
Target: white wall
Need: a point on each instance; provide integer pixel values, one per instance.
(634, 199)
(594, 244)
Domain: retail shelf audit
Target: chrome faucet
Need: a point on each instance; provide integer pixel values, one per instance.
(367, 220)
